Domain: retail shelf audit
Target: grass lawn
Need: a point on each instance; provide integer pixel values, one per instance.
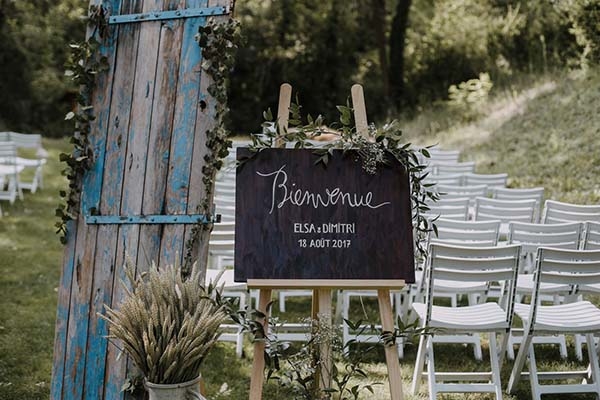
(546, 135)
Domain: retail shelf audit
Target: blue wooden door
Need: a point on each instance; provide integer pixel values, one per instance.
(141, 194)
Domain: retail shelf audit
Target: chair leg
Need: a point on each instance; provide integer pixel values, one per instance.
(419, 364)
(431, 370)
(594, 361)
(281, 302)
(533, 375)
(515, 375)
(495, 364)
(477, 353)
(504, 341)
(510, 349)
(562, 345)
(579, 347)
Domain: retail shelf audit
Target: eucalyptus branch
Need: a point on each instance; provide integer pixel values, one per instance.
(378, 148)
(219, 42)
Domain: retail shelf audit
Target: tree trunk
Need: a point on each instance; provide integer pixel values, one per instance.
(378, 11)
(397, 45)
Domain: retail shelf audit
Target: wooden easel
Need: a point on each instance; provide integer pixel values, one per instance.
(321, 302)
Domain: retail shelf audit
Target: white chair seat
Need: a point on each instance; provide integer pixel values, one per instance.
(580, 316)
(10, 169)
(30, 162)
(525, 285)
(593, 288)
(479, 317)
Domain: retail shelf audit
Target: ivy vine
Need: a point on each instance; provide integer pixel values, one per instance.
(373, 150)
(219, 42)
(83, 65)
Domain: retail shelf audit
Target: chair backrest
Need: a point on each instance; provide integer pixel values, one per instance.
(591, 240)
(504, 210)
(474, 264)
(563, 266)
(466, 233)
(557, 212)
(439, 155)
(8, 156)
(536, 193)
(449, 208)
(501, 193)
(445, 168)
(225, 189)
(26, 140)
(454, 192)
(533, 236)
(224, 201)
(446, 179)
(491, 180)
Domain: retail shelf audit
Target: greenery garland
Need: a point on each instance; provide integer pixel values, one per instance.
(219, 42)
(373, 150)
(83, 66)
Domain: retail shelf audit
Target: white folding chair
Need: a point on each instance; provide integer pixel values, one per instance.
(536, 193)
(459, 233)
(230, 332)
(446, 179)
(33, 142)
(504, 210)
(441, 155)
(490, 180)
(563, 267)
(457, 208)
(439, 168)
(591, 241)
(466, 233)
(459, 192)
(9, 171)
(345, 301)
(531, 237)
(467, 264)
(221, 245)
(557, 212)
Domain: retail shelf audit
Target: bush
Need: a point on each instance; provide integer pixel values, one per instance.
(585, 15)
(470, 97)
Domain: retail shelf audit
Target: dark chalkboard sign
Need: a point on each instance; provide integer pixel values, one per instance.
(298, 220)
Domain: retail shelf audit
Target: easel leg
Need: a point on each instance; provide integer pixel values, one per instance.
(391, 354)
(324, 318)
(258, 364)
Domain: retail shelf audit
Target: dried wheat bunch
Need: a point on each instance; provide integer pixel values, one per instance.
(167, 324)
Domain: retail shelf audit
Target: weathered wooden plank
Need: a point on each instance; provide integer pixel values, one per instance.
(182, 139)
(138, 127)
(81, 287)
(109, 167)
(391, 354)
(163, 110)
(62, 313)
(84, 253)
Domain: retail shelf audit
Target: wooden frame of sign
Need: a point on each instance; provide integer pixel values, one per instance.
(321, 303)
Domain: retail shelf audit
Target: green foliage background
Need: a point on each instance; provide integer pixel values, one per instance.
(34, 34)
(321, 47)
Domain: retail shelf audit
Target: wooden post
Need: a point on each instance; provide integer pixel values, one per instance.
(391, 354)
(383, 295)
(360, 110)
(283, 111)
(264, 296)
(258, 363)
